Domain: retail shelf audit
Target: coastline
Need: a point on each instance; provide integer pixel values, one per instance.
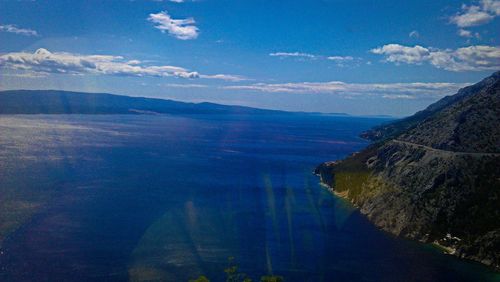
(448, 246)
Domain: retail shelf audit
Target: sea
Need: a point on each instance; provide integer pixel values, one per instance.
(171, 198)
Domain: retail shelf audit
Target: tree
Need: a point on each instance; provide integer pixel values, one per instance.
(202, 278)
(232, 274)
(271, 278)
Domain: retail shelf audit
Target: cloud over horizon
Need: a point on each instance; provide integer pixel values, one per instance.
(10, 28)
(385, 90)
(43, 61)
(471, 58)
(293, 54)
(340, 61)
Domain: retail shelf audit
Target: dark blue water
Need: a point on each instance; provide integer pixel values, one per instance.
(159, 198)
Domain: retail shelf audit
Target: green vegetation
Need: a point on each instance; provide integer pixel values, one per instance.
(352, 176)
(234, 275)
(351, 182)
(271, 278)
(200, 279)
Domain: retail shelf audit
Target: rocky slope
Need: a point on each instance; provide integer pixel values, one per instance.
(386, 131)
(433, 177)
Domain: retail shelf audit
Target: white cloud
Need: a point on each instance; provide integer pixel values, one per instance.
(226, 77)
(464, 33)
(492, 6)
(340, 61)
(133, 62)
(183, 29)
(396, 53)
(414, 34)
(293, 54)
(388, 90)
(475, 15)
(340, 58)
(177, 85)
(43, 61)
(472, 58)
(398, 96)
(472, 16)
(24, 73)
(345, 61)
(311, 56)
(14, 29)
(468, 33)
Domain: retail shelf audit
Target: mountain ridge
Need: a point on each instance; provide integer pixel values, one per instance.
(384, 131)
(433, 177)
(71, 102)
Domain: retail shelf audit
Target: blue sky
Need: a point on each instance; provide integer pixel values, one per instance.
(357, 57)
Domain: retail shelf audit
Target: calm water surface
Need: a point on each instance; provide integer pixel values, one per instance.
(170, 198)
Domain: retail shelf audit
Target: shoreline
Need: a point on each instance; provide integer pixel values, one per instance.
(445, 250)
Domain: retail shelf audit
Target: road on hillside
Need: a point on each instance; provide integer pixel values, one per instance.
(446, 151)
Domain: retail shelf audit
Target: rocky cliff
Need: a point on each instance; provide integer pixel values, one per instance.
(433, 177)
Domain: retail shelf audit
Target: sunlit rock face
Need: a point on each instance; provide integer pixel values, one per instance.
(435, 176)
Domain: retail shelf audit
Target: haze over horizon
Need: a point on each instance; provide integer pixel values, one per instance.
(374, 58)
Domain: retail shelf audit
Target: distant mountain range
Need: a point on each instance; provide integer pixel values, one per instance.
(64, 102)
(434, 176)
(68, 102)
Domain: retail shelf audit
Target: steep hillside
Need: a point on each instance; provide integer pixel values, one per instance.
(437, 181)
(392, 129)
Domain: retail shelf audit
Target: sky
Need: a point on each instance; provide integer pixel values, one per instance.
(358, 57)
